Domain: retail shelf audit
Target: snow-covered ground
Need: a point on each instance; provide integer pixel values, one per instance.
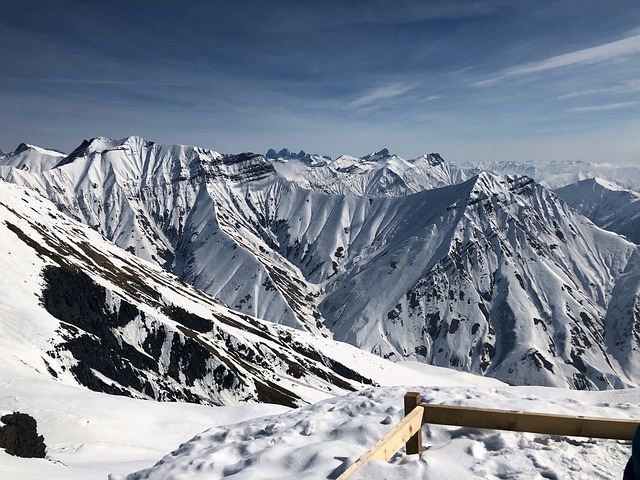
(321, 440)
(92, 435)
(89, 435)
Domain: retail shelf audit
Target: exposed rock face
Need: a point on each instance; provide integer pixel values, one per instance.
(19, 436)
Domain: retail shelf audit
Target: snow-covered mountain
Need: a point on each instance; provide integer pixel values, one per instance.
(494, 275)
(607, 204)
(31, 158)
(178, 206)
(379, 174)
(81, 311)
(309, 159)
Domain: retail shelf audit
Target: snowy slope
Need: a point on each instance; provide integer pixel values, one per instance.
(164, 203)
(80, 310)
(90, 435)
(491, 276)
(607, 204)
(494, 275)
(322, 440)
(31, 158)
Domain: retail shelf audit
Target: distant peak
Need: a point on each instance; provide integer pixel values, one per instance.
(25, 147)
(606, 183)
(310, 159)
(380, 155)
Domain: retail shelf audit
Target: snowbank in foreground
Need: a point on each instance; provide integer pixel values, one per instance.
(90, 434)
(321, 440)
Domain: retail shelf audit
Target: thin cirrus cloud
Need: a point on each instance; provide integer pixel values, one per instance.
(629, 86)
(607, 106)
(587, 56)
(380, 93)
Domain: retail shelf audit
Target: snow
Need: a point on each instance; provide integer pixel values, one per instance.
(46, 151)
(559, 173)
(606, 204)
(89, 435)
(322, 440)
(370, 271)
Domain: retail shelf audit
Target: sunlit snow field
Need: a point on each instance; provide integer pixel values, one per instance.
(91, 435)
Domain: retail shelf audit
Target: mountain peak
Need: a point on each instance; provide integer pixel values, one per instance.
(435, 159)
(494, 182)
(309, 159)
(102, 144)
(23, 147)
(377, 156)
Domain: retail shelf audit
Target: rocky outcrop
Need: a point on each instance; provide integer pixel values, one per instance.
(19, 436)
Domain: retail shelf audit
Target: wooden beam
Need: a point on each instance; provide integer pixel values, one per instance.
(414, 444)
(390, 443)
(530, 422)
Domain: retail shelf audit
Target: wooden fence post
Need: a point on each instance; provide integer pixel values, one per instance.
(414, 444)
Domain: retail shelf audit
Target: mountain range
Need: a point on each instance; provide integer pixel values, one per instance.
(411, 260)
(78, 310)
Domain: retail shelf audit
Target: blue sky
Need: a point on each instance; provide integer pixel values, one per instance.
(473, 80)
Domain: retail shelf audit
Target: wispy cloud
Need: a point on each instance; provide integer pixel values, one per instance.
(627, 87)
(607, 106)
(388, 91)
(587, 56)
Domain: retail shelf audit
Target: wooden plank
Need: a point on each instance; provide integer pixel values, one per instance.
(530, 422)
(414, 444)
(388, 445)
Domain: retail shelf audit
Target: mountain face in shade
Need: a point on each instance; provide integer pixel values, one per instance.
(607, 204)
(489, 274)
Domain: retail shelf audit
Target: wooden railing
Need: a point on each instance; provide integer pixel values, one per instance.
(409, 430)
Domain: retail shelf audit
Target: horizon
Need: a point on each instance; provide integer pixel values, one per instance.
(473, 81)
(295, 151)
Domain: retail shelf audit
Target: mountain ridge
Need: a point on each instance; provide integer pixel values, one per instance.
(607, 204)
(91, 314)
(493, 274)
